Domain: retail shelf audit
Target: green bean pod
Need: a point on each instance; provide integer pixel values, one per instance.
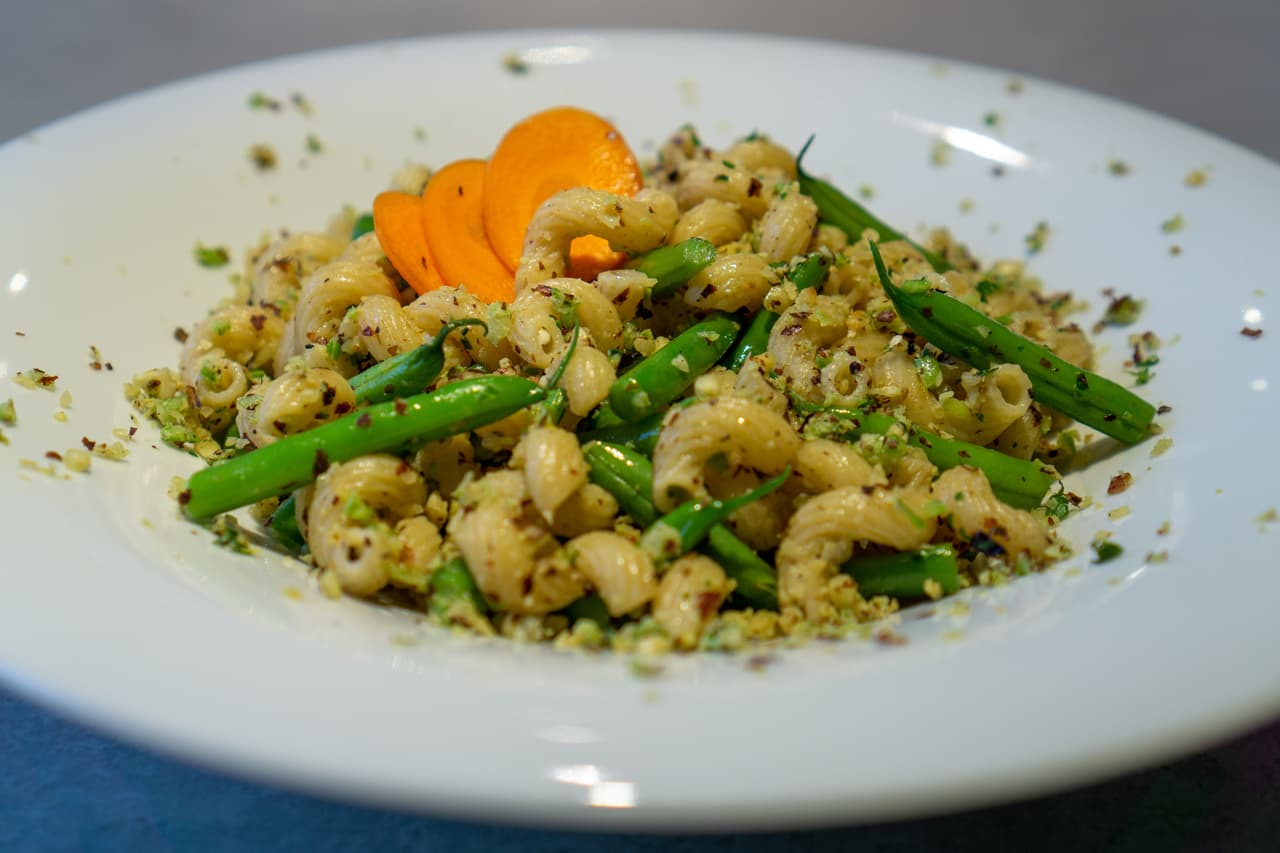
(658, 380)
(453, 582)
(283, 525)
(628, 476)
(836, 208)
(809, 273)
(904, 575)
(625, 474)
(641, 435)
(362, 226)
(685, 527)
(409, 372)
(590, 607)
(298, 459)
(671, 266)
(972, 336)
(557, 401)
(1018, 482)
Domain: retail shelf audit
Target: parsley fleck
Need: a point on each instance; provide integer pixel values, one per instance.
(314, 145)
(1122, 311)
(263, 101)
(212, 257)
(1105, 550)
(514, 64)
(1173, 224)
(1058, 505)
(263, 157)
(1037, 238)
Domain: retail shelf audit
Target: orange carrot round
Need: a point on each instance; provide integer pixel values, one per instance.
(453, 219)
(548, 152)
(397, 220)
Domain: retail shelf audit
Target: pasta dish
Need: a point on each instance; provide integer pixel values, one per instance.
(703, 403)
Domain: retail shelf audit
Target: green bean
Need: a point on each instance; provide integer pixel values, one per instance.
(590, 607)
(641, 435)
(904, 575)
(284, 526)
(1017, 482)
(972, 336)
(753, 341)
(628, 476)
(409, 372)
(685, 527)
(836, 208)
(671, 266)
(453, 583)
(362, 226)
(298, 459)
(656, 381)
(553, 407)
(810, 272)
(625, 474)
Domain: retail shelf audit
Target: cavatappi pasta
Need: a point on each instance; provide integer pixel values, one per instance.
(515, 502)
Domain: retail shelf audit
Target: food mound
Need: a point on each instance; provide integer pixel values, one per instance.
(702, 404)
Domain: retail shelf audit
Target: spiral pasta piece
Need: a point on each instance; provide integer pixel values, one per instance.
(787, 225)
(731, 283)
(691, 592)
(515, 560)
(823, 533)
(326, 296)
(629, 224)
(711, 219)
(278, 271)
(554, 467)
(539, 318)
(349, 518)
(619, 571)
(737, 432)
(295, 402)
(973, 510)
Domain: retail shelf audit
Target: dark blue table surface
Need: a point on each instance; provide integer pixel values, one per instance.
(63, 787)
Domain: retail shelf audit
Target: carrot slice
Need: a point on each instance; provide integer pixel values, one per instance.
(550, 151)
(453, 220)
(397, 220)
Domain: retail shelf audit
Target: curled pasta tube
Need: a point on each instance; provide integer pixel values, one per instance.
(277, 272)
(700, 180)
(787, 225)
(554, 467)
(350, 517)
(516, 562)
(973, 510)
(711, 219)
(629, 224)
(325, 296)
(220, 352)
(762, 155)
(731, 282)
(535, 325)
(619, 571)
(689, 595)
(824, 530)
(295, 402)
(742, 432)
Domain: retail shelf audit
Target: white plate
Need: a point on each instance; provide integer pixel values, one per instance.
(117, 613)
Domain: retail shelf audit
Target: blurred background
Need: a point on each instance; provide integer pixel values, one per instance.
(1212, 65)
